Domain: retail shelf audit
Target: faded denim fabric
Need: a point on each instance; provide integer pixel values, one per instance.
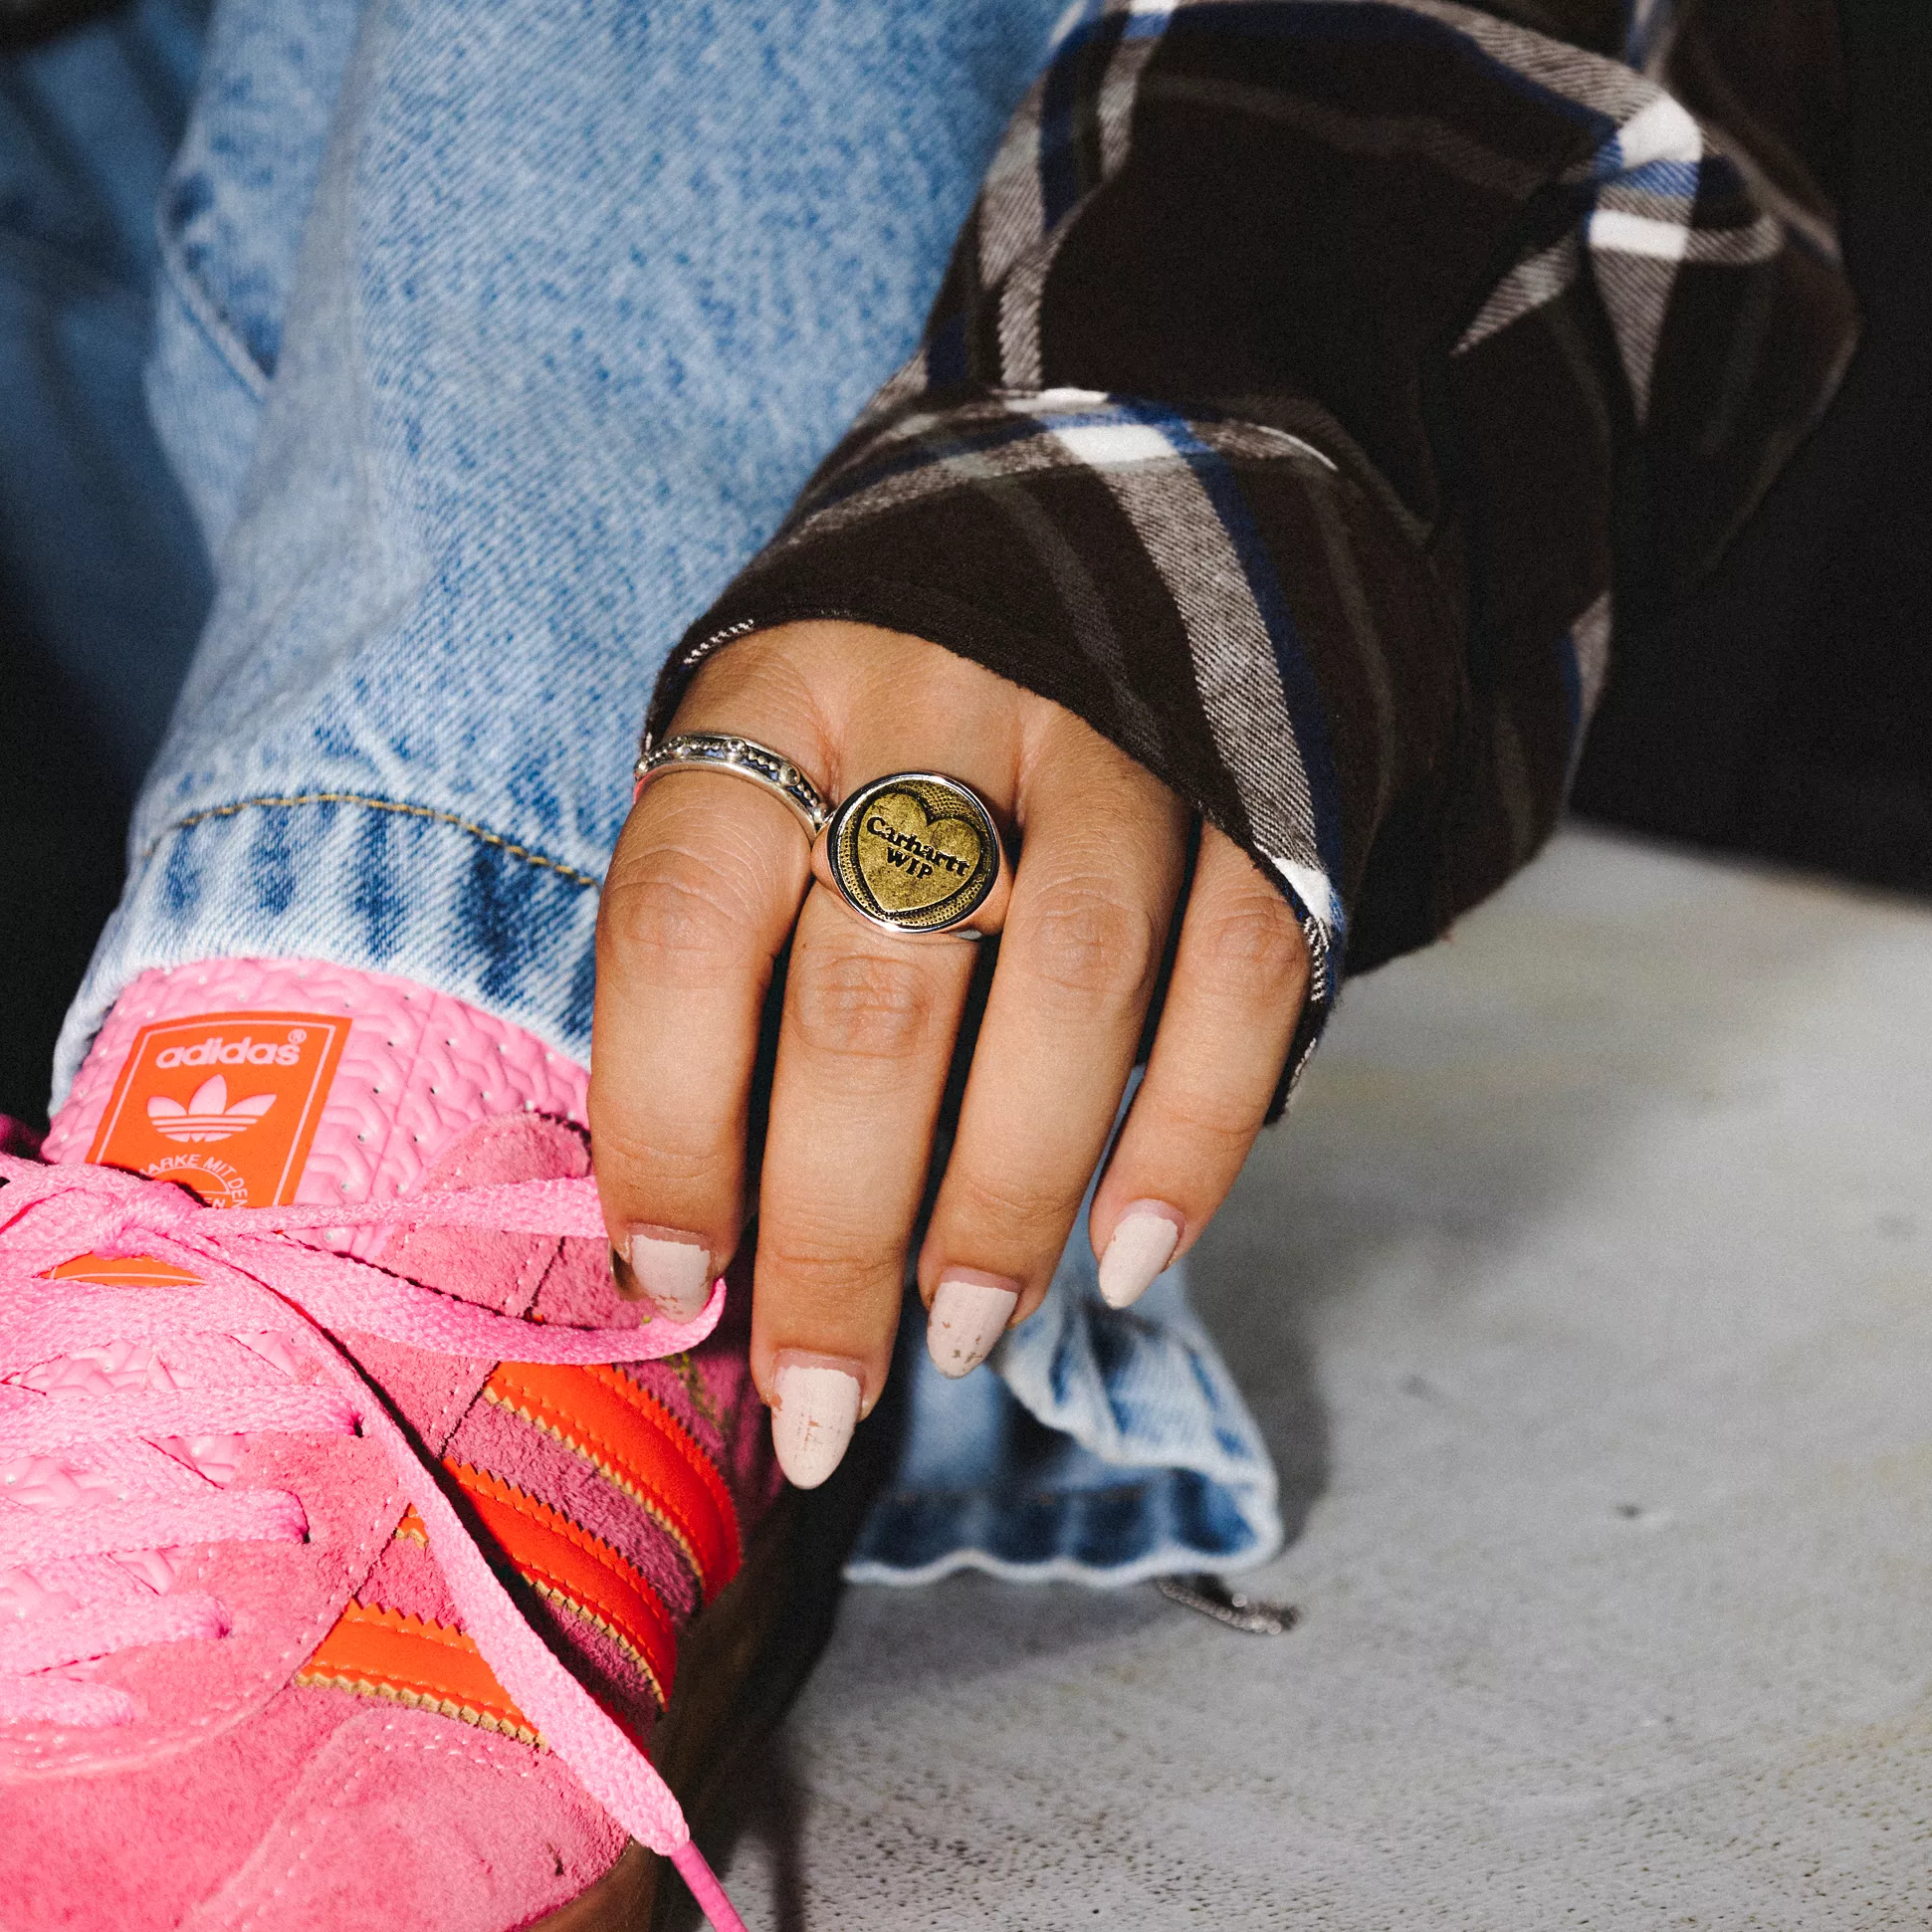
(1109, 1445)
(493, 338)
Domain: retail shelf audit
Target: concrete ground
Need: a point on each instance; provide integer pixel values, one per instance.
(1587, 1303)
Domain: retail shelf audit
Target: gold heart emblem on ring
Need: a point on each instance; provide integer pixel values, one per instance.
(918, 851)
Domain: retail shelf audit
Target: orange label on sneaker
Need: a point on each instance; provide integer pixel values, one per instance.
(226, 1104)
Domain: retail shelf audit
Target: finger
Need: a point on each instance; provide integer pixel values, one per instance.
(863, 1052)
(701, 895)
(1240, 975)
(1095, 890)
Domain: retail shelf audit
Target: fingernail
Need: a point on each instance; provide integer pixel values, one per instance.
(970, 1314)
(814, 1410)
(1144, 1240)
(671, 1270)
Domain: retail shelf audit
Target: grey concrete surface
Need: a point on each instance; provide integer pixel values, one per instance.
(1587, 1303)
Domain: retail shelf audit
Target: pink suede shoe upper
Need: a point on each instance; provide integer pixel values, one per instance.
(272, 1773)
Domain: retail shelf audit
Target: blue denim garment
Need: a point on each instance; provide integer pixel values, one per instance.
(106, 583)
(493, 338)
(1109, 1445)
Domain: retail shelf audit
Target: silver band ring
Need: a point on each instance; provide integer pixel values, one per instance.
(918, 853)
(738, 757)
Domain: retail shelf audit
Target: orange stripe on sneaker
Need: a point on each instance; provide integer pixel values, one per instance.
(634, 1440)
(570, 1565)
(386, 1653)
(128, 1271)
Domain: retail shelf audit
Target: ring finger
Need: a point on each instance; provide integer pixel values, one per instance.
(1092, 902)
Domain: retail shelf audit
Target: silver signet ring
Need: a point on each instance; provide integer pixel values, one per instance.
(918, 853)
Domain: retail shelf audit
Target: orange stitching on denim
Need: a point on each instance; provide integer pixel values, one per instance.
(469, 825)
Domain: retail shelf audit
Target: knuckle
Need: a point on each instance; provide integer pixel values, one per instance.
(1213, 1128)
(824, 1262)
(1086, 940)
(677, 914)
(860, 1004)
(656, 1155)
(1250, 940)
(1029, 1211)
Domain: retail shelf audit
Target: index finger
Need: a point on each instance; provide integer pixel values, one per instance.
(701, 896)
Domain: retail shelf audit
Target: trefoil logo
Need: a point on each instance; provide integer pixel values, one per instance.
(208, 1115)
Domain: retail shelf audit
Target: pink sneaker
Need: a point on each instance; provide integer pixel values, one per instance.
(337, 1595)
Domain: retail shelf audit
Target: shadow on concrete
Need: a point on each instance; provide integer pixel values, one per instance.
(772, 1819)
(990, 1626)
(968, 1629)
(1468, 1093)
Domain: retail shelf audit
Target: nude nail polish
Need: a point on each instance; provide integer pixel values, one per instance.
(971, 1311)
(814, 1410)
(1142, 1243)
(671, 1269)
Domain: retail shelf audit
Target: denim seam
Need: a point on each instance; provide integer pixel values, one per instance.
(469, 825)
(199, 303)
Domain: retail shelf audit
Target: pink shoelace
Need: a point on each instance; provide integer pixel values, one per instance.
(257, 1280)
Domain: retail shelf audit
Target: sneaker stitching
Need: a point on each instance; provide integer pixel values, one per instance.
(406, 1071)
(420, 1694)
(243, 1702)
(553, 1591)
(460, 1400)
(539, 1263)
(592, 1449)
(482, 1483)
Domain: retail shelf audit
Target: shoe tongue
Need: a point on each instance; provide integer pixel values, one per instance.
(500, 1272)
(258, 1083)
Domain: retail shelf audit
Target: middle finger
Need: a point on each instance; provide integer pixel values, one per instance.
(864, 1046)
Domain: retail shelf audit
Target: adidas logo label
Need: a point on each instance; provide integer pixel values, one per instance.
(254, 1083)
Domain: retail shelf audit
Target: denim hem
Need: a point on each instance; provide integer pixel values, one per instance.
(1102, 1447)
(920, 1539)
(378, 885)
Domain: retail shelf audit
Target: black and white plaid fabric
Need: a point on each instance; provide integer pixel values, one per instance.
(1313, 382)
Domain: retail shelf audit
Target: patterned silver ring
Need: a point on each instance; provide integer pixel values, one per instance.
(738, 757)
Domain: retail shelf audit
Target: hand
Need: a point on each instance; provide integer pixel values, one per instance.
(711, 879)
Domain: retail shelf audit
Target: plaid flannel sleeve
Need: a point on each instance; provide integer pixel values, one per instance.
(1314, 386)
